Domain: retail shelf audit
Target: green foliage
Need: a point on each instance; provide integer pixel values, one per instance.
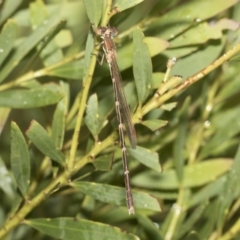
(58, 130)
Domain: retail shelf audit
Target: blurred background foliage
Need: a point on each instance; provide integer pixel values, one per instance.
(55, 184)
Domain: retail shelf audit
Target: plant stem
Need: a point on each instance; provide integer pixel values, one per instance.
(157, 101)
(107, 13)
(81, 110)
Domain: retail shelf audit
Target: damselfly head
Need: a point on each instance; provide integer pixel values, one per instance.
(106, 32)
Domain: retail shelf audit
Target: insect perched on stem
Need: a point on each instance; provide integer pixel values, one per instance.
(121, 105)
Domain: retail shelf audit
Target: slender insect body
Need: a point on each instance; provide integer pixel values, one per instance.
(122, 109)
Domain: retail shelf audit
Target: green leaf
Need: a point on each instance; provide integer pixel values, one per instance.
(94, 10)
(16, 203)
(51, 53)
(209, 225)
(59, 121)
(4, 113)
(116, 195)
(230, 190)
(169, 106)
(146, 157)
(92, 116)
(72, 70)
(194, 175)
(6, 180)
(195, 61)
(38, 13)
(152, 42)
(230, 89)
(8, 8)
(151, 230)
(23, 98)
(142, 66)
(20, 161)
(193, 236)
(125, 4)
(180, 142)
(28, 44)
(154, 124)
(222, 133)
(157, 79)
(202, 33)
(192, 219)
(182, 17)
(103, 163)
(75, 229)
(125, 53)
(38, 135)
(180, 53)
(7, 39)
(211, 190)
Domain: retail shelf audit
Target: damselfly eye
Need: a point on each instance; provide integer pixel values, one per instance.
(114, 32)
(101, 31)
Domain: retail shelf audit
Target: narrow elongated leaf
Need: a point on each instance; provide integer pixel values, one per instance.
(125, 53)
(169, 106)
(149, 227)
(116, 195)
(208, 226)
(195, 61)
(8, 8)
(146, 157)
(38, 135)
(51, 53)
(154, 124)
(4, 113)
(72, 70)
(229, 90)
(6, 180)
(92, 116)
(142, 66)
(211, 190)
(103, 163)
(28, 44)
(94, 10)
(179, 144)
(185, 15)
(76, 229)
(155, 45)
(23, 98)
(203, 32)
(230, 191)
(219, 122)
(58, 125)
(59, 121)
(7, 39)
(194, 175)
(191, 221)
(125, 4)
(20, 161)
